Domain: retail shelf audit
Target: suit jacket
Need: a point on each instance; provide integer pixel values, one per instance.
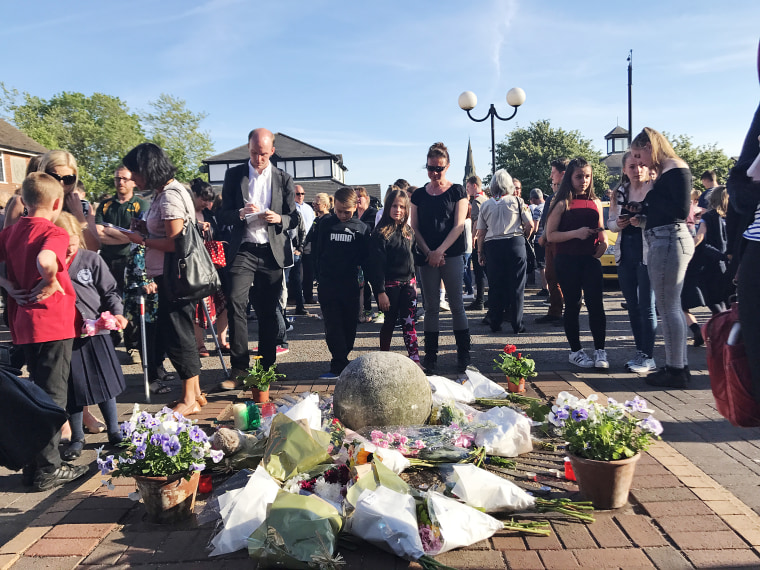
(283, 202)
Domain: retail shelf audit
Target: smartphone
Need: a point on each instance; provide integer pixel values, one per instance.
(624, 217)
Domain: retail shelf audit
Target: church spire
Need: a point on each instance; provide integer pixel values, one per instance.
(469, 166)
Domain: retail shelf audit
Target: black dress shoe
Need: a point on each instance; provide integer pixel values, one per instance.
(521, 330)
(669, 377)
(73, 451)
(475, 306)
(548, 319)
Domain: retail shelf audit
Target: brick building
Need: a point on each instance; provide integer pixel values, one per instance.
(15, 151)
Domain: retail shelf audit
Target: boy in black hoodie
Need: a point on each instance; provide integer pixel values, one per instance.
(342, 247)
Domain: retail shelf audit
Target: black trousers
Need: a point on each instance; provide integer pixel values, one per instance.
(295, 285)
(480, 274)
(582, 275)
(339, 302)
(49, 365)
(506, 266)
(749, 309)
(254, 264)
(307, 265)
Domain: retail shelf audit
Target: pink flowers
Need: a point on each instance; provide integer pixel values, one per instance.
(106, 322)
(396, 440)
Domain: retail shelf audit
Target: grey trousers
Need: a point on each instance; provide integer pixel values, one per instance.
(451, 274)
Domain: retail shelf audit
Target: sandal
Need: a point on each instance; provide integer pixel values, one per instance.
(202, 400)
(158, 387)
(203, 352)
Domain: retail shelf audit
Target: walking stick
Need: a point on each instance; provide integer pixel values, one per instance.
(216, 340)
(144, 343)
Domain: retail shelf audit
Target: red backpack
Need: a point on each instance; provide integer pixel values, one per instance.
(730, 376)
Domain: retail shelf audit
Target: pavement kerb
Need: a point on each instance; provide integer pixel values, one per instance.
(743, 520)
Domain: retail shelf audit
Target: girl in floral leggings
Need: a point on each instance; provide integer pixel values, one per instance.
(392, 272)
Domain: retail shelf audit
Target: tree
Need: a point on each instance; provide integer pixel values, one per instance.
(701, 158)
(526, 154)
(176, 129)
(98, 130)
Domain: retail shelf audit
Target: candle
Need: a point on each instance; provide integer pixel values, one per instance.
(240, 415)
(254, 415)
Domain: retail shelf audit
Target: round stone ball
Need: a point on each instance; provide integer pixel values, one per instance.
(382, 389)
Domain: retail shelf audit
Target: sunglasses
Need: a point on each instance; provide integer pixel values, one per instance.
(437, 169)
(67, 180)
(300, 193)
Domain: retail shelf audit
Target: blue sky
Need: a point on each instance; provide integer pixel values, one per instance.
(378, 82)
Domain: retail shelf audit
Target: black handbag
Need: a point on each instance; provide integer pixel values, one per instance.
(189, 273)
(28, 420)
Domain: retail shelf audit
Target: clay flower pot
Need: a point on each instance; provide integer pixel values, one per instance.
(518, 388)
(605, 483)
(260, 396)
(168, 499)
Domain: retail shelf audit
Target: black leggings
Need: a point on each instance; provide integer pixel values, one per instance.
(582, 274)
(403, 300)
(749, 309)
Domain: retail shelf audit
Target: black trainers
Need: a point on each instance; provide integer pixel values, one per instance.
(64, 474)
(475, 306)
(548, 319)
(542, 293)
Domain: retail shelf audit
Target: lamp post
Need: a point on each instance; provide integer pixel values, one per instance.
(468, 100)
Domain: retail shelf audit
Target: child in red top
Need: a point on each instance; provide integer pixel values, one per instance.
(41, 309)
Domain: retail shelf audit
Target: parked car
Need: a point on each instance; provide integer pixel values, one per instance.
(609, 267)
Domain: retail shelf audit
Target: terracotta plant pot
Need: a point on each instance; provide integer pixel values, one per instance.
(516, 388)
(260, 396)
(168, 499)
(605, 483)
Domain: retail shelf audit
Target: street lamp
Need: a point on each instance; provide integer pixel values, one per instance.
(468, 100)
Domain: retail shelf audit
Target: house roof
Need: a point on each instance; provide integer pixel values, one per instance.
(616, 132)
(614, 161)
(13, 139)
(286, 148)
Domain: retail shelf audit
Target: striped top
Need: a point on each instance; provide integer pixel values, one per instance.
(753, 231)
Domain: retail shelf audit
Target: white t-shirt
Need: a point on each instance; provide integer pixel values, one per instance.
(166, 205)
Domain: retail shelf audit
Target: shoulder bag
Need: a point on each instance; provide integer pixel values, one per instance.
(189, 273)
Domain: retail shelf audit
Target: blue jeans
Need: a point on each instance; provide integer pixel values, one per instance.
(633, 277)
(670, 249)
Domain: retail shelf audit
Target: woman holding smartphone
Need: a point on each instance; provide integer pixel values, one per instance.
(576, 225)
(630, 256)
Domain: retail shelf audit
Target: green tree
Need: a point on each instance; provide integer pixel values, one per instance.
(701, 158)
(98, 130)
(176, 129)
(526, 154)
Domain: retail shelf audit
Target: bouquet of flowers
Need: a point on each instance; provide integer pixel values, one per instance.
(604, 433)
(160, 445)
(515, 366)
(105, 322)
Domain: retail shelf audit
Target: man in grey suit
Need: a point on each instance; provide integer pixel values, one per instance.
(258, 202)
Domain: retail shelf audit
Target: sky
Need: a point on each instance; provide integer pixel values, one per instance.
(378, 82)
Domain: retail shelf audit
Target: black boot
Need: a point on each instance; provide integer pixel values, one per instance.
(463, 349)
(697, 333)
(669, 377)
(431, 352)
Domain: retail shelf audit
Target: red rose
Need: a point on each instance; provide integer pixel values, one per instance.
(519, 355)
(510, 348)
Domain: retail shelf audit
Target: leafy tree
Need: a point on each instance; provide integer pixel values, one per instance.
(98, 130)
(176, 129)
(526, 154)
(701, 158)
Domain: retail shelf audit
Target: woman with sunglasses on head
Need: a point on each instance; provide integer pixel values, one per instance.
(62, 166)
(438, 212)
(576, 225)
(664, 212)
(165, 220)
(631, 258)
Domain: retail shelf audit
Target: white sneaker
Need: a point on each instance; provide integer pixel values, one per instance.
(600, 358)
(581, 359)
(380, 318)
(635, 361)
(646, 365)
(444, 306)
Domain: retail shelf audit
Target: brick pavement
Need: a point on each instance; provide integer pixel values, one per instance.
(678, 517)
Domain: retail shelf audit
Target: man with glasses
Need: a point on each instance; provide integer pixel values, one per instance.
(119, 211)
(302, 274)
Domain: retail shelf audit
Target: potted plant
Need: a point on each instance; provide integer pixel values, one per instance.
(516, 367)
(165, 454)
(604, 443)
(259, 378)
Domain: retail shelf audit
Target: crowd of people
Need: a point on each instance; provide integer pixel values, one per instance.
(77, 277)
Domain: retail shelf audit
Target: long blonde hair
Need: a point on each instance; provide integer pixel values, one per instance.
(55, 158)
(661, 148)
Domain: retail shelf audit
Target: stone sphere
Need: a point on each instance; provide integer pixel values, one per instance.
(382, 389)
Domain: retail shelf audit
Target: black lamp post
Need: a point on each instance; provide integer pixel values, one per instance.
(468, 100)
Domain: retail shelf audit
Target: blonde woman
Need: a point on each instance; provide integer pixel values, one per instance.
(664, 212)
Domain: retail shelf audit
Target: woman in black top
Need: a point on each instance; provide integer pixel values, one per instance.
(438, 212)
(671, 246)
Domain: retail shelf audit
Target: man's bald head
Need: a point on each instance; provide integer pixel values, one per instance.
(260, 148)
